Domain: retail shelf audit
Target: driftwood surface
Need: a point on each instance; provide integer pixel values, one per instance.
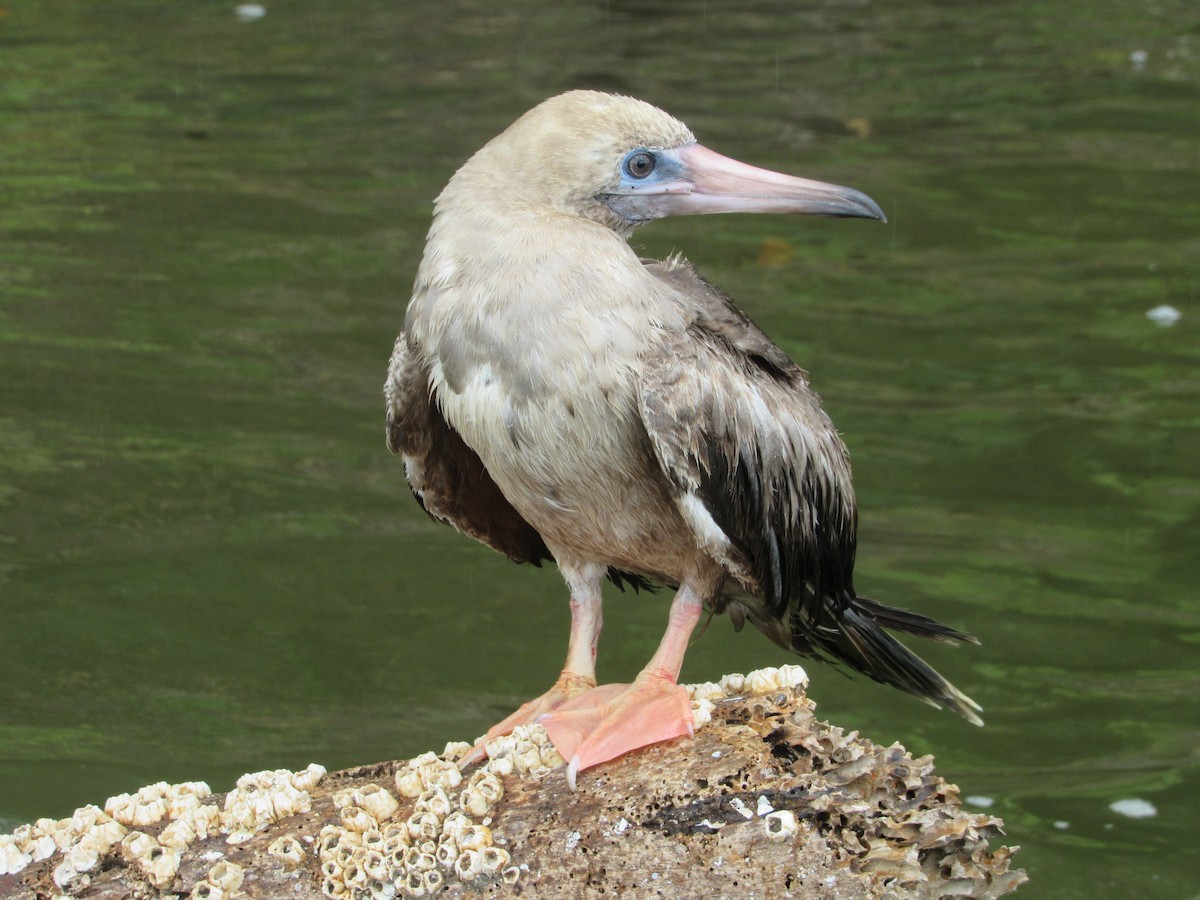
(765, 801)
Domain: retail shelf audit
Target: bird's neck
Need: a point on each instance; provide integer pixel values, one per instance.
(527, 297)
(530, 264)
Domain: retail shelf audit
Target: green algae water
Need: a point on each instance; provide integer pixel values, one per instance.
(209, 563)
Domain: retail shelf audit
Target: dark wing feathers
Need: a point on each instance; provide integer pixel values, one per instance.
(446, 476)
(732, 420)
(735, 425)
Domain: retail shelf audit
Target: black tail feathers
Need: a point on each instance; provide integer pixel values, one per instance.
(857, 637)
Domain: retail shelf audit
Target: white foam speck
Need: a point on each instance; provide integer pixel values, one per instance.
(1164, 316)
(249, 12)
(1134, 808)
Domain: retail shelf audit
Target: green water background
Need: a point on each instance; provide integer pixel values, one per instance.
(209, 564)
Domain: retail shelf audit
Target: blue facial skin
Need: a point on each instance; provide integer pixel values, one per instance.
(666, 168)
(624, 201)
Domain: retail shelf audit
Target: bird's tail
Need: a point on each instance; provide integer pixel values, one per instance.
(858, 638)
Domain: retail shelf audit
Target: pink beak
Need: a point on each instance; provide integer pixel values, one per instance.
(693, 180)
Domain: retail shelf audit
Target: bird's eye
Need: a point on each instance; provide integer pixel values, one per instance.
(639, 164)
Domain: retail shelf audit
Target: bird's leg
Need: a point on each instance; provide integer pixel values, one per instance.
(614, 719)
(579, 673)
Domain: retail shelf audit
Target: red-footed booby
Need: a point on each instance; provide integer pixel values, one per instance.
(557, 398)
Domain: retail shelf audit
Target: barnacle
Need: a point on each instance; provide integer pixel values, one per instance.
(376, 800)
(206, 820)
(526, 750)
(160, 866)
(354, 875)
(376, 866)
(483, 791)
(468, 865)
(186, 797)
(373, 839)
(381, 889)
(332, 869)
(433, 881)
(136, 845)
(707, 690)
(309, 778)
(455, 749)
(355, 818)
(206, 890)
(396, 834)
(259, 799)
(414, 883)
(780, 825)
(434, 800)
(446, 852)
(494, 859)
(424, 826)
(12, 858)
(328, 839)
(226, 875)
(702, 710)
(288, 850)
(766, 681)
(178, 833)
(475, 837)
(733, 684)
(425, 772)
(455, 823)
(501, 765)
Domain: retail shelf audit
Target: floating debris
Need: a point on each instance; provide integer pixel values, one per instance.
(1138, 59)
(981, 801)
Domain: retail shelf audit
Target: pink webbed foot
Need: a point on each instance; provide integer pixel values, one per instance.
(567, 686)
(614, 719)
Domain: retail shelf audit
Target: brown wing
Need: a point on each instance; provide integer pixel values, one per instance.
(756, 461)
(446, 476)
(735, 425)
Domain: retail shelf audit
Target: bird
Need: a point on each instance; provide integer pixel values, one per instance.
(560, 399)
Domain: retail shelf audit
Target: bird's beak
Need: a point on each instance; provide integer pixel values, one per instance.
(695, 181)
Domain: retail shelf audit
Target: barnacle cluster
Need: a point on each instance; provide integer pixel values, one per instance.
(222, 881)
(704, 697)
(83, 839)
(90, 833)
(527, 750)
(262, 798)
(372, 853)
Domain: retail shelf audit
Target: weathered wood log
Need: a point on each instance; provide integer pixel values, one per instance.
(765, 801)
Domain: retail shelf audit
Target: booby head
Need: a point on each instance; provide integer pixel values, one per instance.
(623, 162)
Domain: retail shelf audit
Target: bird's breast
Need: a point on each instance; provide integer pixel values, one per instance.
(554, 417)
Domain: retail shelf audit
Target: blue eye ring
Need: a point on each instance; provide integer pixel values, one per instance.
(639, 164)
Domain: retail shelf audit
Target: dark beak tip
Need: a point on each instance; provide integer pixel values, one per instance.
(871, 209)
